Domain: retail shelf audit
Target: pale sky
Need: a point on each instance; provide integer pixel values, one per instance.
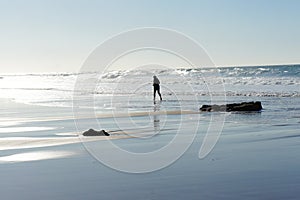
(58, 35)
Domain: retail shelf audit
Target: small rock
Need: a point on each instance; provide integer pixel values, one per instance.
(92, 132)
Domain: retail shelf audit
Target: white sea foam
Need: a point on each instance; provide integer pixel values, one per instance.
(58, 89)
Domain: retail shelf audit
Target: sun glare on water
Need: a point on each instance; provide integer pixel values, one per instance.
(35, 156)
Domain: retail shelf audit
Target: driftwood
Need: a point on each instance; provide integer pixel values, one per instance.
(244, 106)
(92, 132)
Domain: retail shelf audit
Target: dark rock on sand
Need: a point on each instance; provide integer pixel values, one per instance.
(244, 106)
(92, 132)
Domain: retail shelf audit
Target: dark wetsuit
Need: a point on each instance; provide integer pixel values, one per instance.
(156, 88)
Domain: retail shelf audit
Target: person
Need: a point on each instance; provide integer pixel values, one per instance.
(156, 87)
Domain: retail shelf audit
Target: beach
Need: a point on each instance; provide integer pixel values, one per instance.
(44, 155)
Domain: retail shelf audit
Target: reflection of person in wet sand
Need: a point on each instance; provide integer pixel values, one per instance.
(156, 87)
(156, 120)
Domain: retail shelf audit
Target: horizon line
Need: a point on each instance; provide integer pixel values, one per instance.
(207, 67)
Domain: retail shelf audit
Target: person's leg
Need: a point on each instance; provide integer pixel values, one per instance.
(158, 91)
(154, 91)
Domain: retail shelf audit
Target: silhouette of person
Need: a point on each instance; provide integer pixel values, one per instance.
(156, 87)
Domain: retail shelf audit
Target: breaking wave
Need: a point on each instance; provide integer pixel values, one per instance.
(58, 88)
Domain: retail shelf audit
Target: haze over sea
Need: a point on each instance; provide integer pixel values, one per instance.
(256, 156)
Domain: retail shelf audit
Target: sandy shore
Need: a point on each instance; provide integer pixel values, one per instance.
(255, 158)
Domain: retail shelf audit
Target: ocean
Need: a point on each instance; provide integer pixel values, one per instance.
(158, 149)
